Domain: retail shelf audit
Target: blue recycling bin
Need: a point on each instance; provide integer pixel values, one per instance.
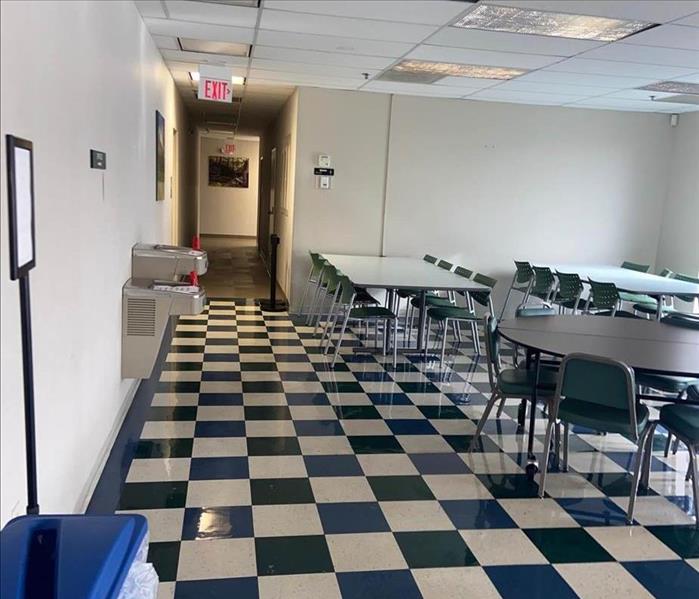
(76, 557)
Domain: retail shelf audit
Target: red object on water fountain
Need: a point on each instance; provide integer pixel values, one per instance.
(194, 278)
(196, 242)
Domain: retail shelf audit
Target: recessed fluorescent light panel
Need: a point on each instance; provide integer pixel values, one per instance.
(235, 80)
(554, 24)
(673, 87)
(225, 48)
(420, 71)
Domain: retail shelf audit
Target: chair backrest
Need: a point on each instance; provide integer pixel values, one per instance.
(492, 349)
(347, 291)
(332, 277)
(635, 266)
(317, 263)
(570, 286)
(463, 272)
(430, 259)
(604, 295)
(600, 382)
(686, 321)
(544, 282)
(483, 297)
(687, 279)
(445, 265)
(524, 273)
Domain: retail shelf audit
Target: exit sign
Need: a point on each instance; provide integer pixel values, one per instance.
(216, 90)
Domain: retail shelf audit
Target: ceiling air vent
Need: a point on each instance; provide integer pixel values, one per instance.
(140, 317)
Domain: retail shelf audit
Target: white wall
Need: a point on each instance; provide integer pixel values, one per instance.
(229, 210)
(678, 249)
(478, 183)
(75, 76)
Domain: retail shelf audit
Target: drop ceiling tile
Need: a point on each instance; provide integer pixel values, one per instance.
(311, 69)
(166, 42)
(637, 94)
(646, 54)
(522, 96)
(415, 89)
(509, 42)
(467, 82)
(552, 88)
(203, 57)
(691, 21)
(482, 57)
(151, 8)
(211, 12)
(431, 12)
(322, 58)
(667, 36)
(277, 20)
(546, 76)
(619, 104)
(693, 78)
(329, 43)
(652, 12)
(199, 31)
(305, 79)
(620, 69)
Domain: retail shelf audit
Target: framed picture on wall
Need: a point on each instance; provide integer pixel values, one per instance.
(159, 157)
(229, 171)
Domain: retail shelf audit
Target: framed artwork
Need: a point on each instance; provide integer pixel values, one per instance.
(159, 157)
(229, 171)
(20, 196)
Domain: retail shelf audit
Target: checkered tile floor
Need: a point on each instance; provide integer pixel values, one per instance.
(264, 473)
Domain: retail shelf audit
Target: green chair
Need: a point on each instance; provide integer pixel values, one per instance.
(635, 266)
(320, 286)
(506, 383)
(645, 304)
(681, 319)
(604, 299)
(597, 393)
(346, 311)
(681, 421)
(570, 288)
(522, 279)
(317, 263)
(544, 285)
(331, 286)
(690, 299)
(445, 314)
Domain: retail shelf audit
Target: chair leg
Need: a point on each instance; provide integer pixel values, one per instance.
(647, 458)
(638, 461)
(566, 435)
(668, 443)
(545, 461)
(342, 334)
(695, 481)
(484, 418)
(311, 308)
(501, 407)
(427, 336)
(507, 297)
(395, 342)
(445, 328)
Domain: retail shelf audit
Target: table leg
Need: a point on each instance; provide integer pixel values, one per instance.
(532, 464)
(421, 321)
(659, 313)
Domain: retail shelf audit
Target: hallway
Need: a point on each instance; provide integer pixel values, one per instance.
(235, 268)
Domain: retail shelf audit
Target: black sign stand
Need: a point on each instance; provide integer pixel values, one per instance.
(20, 194)
(272, 304)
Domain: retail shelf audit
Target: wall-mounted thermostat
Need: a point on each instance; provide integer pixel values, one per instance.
(324, 160)
(323, 172)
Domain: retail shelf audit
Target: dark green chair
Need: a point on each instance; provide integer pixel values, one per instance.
(570, 288)
(317, 263)
(681, 319)
(645, 304)
(316, 305)
(681, 421)
(521, 281)
(604, 300)
(597, 393)
(544, 285)
(685, 298)
(512, 383)
(635, 266)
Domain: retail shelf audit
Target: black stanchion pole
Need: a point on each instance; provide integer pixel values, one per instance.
(271, 304)
(28, 371)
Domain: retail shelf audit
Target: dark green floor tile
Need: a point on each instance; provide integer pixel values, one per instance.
(145, 496)
(615, 484)
(292, 555)
(267, 413)
(683, 540)
(375, 444)
(341, 386)
(399, 488)
(164, 448)
(444, 411)
(273, 446)
(263, 387)
(165, 557)
(567, 545)
(509, 486)
(258, 366)
(182, 366)
(279, 491)
(178, 386)
(172, 413)
(441, 549)
(461, 443)
(356, 412)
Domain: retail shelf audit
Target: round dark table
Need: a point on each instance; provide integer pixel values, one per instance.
(644, 345)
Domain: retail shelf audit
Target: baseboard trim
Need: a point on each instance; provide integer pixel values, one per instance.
(98, 468)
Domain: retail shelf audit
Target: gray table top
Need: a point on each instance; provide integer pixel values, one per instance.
(391, 272)
(644, 345)
(627, 280)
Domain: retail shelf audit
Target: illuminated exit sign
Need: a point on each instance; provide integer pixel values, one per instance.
(216, 90)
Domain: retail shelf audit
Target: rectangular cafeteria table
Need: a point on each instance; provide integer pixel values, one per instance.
(393, 273)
